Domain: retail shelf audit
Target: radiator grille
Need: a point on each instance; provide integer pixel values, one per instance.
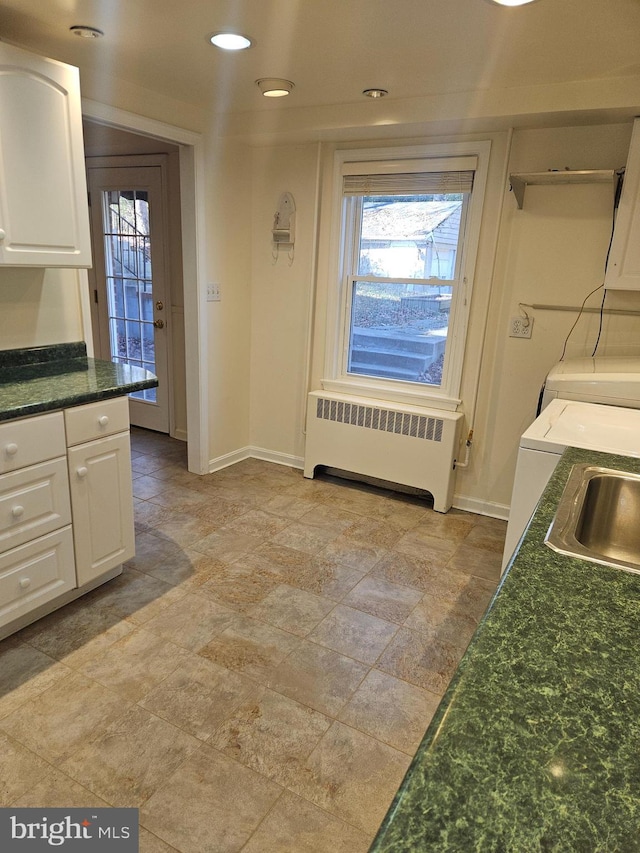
(385, 420)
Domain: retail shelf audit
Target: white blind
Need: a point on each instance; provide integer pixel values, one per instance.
(423, 183)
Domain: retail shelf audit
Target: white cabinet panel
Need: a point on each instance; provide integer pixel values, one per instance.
(44, 219)
(102, 505)
(30, 440)
(33, 501)
(35, 574)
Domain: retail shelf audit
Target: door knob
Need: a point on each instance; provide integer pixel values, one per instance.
(158, 324)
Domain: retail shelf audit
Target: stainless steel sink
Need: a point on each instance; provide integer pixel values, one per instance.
(598, 518)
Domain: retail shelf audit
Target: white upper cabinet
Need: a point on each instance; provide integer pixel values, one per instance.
(623, 269)
(44, 220)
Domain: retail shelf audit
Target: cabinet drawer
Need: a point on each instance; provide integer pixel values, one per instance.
(33, 501)
(97, 420)
(29, 440)
(36, 573)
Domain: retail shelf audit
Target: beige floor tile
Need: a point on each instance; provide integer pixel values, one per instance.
(237, 587)
(289, 506)
(354, 554)
(21, 770)
(150, 843)
(318, 677)
(476, 561)
(452, 525)
(192, 622)
(25, 672)
(199, 696)
(146, 487)
(56, 723)
(227, 545)
(188, 570)
(421, 660)
(271, 734)
(420, 543)
(375, 533)
(134, 596)
(296, 826)
(76, 633)
(135, 664)
(442, 620)
(292, 609)
(182, 529)
(151, 549)
(406, 570)
(402, 511)
(470, 593)
(129, 761)
(148, 516)
(145, 464)
(250, 647)
(330, 517)
(256, 522)
(391, 710)
(354, 633)
(178, 498)
(379, 597)
(58, 791)
(309, 538)
(352, 776)
(488, 533)
(211, 804)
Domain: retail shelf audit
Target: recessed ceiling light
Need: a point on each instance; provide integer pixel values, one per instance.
(375, 93)
(511, 2)
(230, 41)
(86, 32)
(274, 87)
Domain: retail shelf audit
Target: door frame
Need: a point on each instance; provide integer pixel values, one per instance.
(141, 161)
(192, 201)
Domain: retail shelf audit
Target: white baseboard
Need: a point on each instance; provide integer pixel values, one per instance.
(180, 434)
(481, 507)
(255, 453)
(277, 457)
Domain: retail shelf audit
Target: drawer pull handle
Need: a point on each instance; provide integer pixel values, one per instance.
(17, 511)
(11, 449)
(25, 583)
(82, 472)
(103, 420)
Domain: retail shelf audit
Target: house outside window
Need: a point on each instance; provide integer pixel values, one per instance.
(405, 241)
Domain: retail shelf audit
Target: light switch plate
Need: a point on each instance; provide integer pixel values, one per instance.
(213, 292)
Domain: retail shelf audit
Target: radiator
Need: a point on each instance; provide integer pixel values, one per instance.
(407, 445)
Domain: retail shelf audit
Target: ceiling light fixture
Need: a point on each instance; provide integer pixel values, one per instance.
(230, 41)
(375, 93)
(86, 32)
(511, 2)
(274, 87)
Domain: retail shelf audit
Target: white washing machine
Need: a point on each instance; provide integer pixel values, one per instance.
(561, 424)
(612, 381)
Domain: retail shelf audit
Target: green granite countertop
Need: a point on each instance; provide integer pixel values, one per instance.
(536, 744)
(42, 379)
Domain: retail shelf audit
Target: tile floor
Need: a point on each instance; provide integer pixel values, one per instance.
(262, 672)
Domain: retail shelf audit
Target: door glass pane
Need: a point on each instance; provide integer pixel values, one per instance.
(398, 329)
(129, 280)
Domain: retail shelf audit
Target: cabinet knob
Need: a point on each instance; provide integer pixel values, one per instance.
(11, 449)
(3, 233)
(82, 472)
(17, 511)
(25, 583)
(103, 420)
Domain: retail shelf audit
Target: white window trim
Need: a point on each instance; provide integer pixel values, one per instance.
(369, 160)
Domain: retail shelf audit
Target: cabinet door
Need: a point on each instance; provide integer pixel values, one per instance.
(44, 218)
(623, 267)
(101, 505)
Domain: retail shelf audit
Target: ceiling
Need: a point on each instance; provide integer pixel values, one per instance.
(333, 49)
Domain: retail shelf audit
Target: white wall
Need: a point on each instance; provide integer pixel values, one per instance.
(281, 295)
(40, 306)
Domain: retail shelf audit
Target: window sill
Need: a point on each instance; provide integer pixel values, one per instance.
(378, 391)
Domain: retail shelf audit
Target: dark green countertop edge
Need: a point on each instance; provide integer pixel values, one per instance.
(43, 379)
(536, 743)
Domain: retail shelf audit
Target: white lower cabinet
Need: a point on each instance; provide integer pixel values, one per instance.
(102, 505)
(66, 507)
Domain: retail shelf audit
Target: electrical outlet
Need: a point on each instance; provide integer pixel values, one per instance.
(213, 292)
(520, 327)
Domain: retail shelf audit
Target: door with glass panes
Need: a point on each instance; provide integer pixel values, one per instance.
(129, 300)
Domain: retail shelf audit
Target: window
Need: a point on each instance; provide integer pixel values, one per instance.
(408, 231)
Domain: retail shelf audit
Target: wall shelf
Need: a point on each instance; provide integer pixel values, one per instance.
(521, 180)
